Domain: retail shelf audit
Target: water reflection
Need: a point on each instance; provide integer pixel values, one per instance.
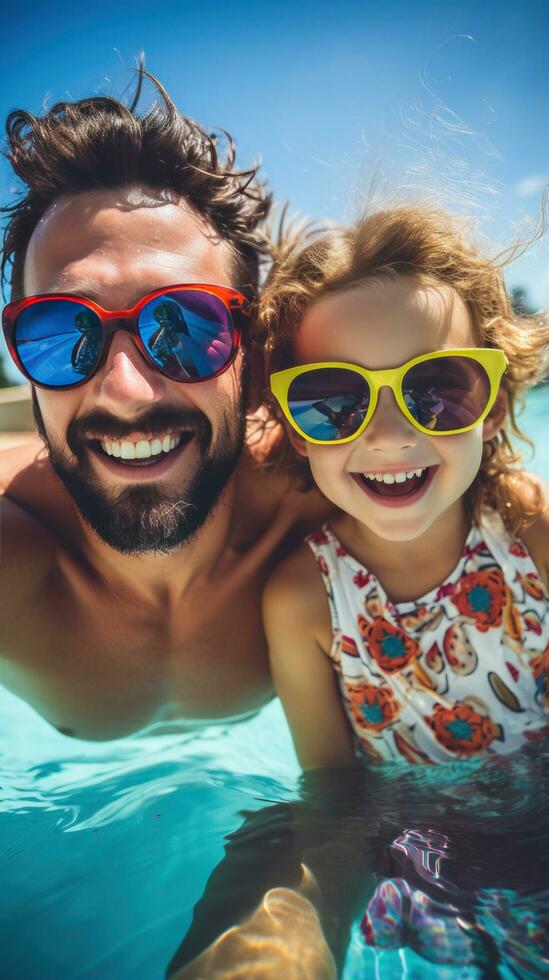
(398, 916)
(443, 871)
(112, 843)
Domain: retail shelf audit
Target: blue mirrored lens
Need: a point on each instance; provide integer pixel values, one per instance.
(329, 403)
(188, 334)
(58, 341)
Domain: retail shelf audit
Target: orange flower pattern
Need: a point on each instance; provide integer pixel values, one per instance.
(372, 707)
(390, 646)
(481, 596)
(462, 730)
(460, 672)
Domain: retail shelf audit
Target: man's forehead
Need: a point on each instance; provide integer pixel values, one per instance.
(98, 236)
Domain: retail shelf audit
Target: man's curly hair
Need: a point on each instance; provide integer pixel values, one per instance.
(100, 143)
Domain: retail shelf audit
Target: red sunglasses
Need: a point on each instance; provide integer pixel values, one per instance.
(189, 332)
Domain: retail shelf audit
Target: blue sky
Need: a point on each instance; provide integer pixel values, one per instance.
(446, 98)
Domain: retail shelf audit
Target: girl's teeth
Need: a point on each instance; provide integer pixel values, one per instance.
(166, 444)
(394, 477)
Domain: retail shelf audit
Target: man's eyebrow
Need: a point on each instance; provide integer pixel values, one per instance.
(85, 288)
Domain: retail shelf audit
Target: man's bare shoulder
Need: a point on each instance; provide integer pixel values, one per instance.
(27, 478)
(265, 484)
(15, 458)
(28, 547)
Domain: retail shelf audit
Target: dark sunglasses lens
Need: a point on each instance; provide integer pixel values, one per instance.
(58, 341)
(328, 403)
(190, 335)
(446, 393)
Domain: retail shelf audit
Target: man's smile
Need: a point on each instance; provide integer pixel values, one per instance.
(140, 448)
(144, 459)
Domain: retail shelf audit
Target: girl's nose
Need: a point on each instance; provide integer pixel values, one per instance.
(388, 429)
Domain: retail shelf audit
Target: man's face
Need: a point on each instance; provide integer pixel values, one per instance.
(114, 248)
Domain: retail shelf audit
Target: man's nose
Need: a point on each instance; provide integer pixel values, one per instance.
(126, 378)
(389, 430)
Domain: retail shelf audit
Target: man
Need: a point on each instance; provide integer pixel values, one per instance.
(136, 541)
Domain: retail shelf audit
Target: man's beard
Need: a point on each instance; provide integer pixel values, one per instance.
(137, 520)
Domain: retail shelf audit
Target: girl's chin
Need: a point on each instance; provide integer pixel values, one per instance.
(400, 531)
(392, 525)
(401, 525)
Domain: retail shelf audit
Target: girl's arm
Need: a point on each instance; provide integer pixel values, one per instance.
(297, 623)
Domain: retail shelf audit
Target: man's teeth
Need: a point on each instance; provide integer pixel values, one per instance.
(395, 477)
(143, 449)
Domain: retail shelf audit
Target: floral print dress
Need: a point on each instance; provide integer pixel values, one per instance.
(460, 672)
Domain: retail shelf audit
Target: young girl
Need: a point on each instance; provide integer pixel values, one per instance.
(415, 625)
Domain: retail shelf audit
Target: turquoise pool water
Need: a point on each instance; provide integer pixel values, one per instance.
(106, 848)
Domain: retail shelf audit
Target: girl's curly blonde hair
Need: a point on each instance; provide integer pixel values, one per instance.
(430, 246)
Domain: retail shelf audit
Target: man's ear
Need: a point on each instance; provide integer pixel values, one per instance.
(496, 417)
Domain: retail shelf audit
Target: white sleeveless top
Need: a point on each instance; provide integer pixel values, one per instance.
(462, 671)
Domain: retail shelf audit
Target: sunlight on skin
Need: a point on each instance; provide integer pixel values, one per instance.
(282, 938)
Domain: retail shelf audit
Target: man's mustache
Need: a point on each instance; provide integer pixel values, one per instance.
(154, 423)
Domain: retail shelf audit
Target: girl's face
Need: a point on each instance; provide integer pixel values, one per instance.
(382, 324)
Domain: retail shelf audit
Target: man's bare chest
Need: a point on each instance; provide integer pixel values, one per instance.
(103, 669)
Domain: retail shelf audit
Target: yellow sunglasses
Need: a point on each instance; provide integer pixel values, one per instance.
(442, 393)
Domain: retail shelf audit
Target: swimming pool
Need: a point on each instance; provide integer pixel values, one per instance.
(106, 847)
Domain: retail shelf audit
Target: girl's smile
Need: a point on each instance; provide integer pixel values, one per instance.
(398, 489)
